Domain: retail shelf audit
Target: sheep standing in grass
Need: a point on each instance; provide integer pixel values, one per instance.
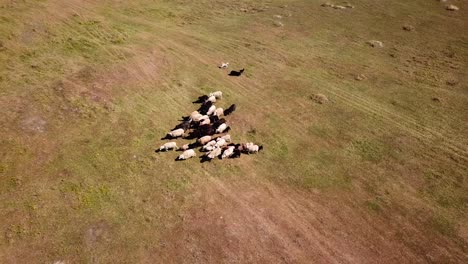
(211, 110)
(205, 122)
(226, 137)
(209, 146)
(175, 133)
(203, 140)
(200, 117)
(211, 99)
(219, 122)
(196, 117)
(222, 128)
(168, 146)
(189, 153)
(228, 152)
(219, 112)
(214, 153)
(217, 94)
(231, 109)
(251, 148)
(205, 107)
(185, 125)
(220, 142)
(224, 65)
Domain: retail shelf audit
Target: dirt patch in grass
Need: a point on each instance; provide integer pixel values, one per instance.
(241, 222)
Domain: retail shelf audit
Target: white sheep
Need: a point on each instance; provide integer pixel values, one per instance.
(203, 117)
(185, 147)
(214, 153)
(211, 99)
(189, 153)
(168, 146)
(193, 114)
(220, 142)
(228, 152)
(252, 148)
(217, 94)
(205, 122)
(211, 110)
(209, 146)
(176, 133)
(197, 117)
(219, 111)
(204, 140)
(222, 128)
(224, 65)
(226, 137)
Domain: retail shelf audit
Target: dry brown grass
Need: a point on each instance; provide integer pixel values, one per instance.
(379, 174)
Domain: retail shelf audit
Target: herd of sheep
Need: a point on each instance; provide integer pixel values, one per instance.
(208, 128)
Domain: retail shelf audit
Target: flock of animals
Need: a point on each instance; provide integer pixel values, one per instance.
(209, 128)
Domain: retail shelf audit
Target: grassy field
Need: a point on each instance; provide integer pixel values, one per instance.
(378, 174)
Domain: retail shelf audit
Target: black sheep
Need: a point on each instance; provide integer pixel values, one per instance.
(236, 73)
(217, 123)
(214, 118)
(201, 99)
(185, 125)
(205, 107)
(230, 109)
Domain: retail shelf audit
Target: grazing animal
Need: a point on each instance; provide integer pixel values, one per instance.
(168, 146)
(231, 109)
(185, 147)
(197, 117)
(228, 152)
(251, 148)
(211, 99)
(189, 153)
(207, 129)
(220, 142)
(184, 125)
(217, 94)
(209, 146)
(219, 112)
(218, 123)
(175, 133)
(201, 99)
(226, 137)
(236, 73)
(214, 118)
(222, 128)
(214, 153)
(204, 140)
(236, 153)
(189, 146)
(205, 122)
(211, 110)
(224, 65)
(194, 113)
(205, 107)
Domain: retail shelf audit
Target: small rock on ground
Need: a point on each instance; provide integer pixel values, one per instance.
(452, 8)
(375, 43)
(319, 98)
(360, 77)
(408, 28)
(278, 24)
